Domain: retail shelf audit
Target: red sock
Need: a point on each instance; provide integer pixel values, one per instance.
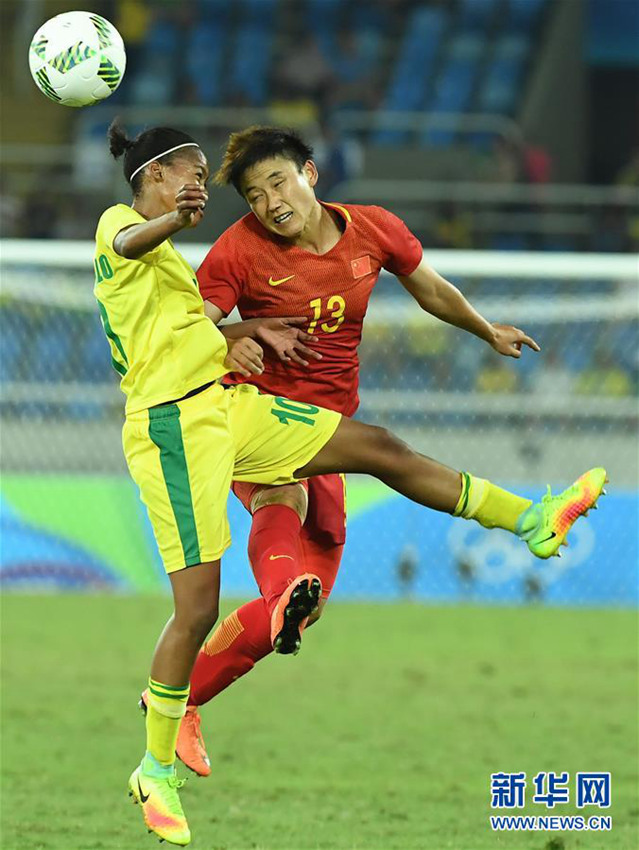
(244, 637)
(232, 650)
(274, 550)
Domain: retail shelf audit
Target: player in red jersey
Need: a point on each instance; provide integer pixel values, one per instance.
(293, 255)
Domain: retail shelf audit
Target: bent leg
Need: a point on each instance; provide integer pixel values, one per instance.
(244, 637)
(273, 544)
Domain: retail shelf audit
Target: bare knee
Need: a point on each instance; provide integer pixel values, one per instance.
(199, 618)
(293, 496)
(384, 450)
(387, 441)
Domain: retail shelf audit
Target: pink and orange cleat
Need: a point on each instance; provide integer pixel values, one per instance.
(161, 807)
(545, 525)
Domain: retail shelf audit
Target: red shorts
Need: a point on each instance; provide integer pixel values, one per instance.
(323, 534)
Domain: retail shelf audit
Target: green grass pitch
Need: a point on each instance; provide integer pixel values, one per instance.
(380, 735)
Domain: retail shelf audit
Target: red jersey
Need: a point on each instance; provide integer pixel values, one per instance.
(262, 275)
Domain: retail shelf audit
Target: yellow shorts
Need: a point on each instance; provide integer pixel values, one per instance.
(183, 457)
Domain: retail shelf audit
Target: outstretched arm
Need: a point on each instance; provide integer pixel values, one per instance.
(281, 334)
(441, 298)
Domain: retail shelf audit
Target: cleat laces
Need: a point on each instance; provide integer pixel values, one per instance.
(548, 499)
(171, 799)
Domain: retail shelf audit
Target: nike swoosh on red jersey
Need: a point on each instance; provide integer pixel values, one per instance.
(281, 280)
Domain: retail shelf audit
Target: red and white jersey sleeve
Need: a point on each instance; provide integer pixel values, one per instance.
(262, 275)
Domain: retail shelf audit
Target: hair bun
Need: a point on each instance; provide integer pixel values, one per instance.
(119, 142)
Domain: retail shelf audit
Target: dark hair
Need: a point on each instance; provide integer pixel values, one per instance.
(147, 145)
(248, 147)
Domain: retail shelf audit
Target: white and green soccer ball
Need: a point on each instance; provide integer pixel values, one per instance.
(77, 58)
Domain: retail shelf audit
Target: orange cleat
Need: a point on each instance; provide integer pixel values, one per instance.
(190, 747)
(294, 607)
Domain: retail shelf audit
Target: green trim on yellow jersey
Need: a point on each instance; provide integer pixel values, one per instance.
(115, 339)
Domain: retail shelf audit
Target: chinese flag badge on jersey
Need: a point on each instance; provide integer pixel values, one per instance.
(361, 266)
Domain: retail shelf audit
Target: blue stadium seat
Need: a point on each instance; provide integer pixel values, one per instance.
(204, 60)
(322, 17)
(476, 15)
(411, 76)
(248, 75)
(366, 21)
(370, 17)
(570, 347)
(502, 83)
(155, 83)
(455, 85)
(523, 15)
(258, 12)
(163, 37)
(212, 11)
(249, 65)
(513, 46)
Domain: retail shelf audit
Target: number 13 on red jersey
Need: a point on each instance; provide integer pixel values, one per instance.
(335, 306)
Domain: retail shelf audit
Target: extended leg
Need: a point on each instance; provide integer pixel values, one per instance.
(356, 447)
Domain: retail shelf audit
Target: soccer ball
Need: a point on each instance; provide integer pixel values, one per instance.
(77, 58)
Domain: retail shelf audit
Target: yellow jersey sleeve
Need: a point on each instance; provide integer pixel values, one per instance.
(162, 343)
(117, 218)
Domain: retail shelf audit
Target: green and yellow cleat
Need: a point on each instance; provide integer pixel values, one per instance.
(161, 805)
(545, 525)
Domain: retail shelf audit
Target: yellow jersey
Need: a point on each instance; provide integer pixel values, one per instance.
(162, 343)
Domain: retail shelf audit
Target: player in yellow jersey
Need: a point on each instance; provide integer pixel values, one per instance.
(185, 437)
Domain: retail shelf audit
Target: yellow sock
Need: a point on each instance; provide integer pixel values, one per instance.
(165, 710)
(488, 504)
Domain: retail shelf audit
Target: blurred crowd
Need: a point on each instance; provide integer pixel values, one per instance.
(310, 60)
(580, 358)
(318, 54)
